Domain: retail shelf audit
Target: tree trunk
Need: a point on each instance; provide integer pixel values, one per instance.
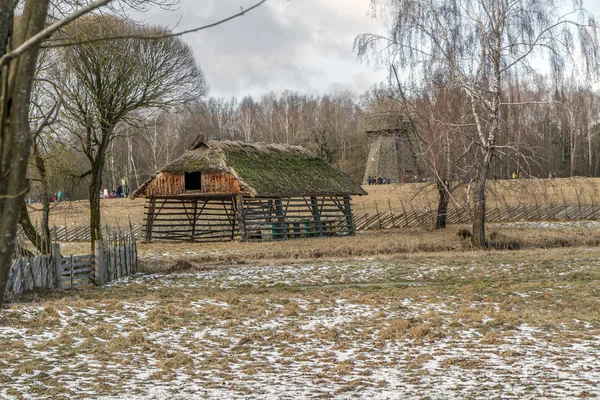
(45, 198)
(15, 139)
(443, 187)
(38, 240)
(478, 238)
(94, 198)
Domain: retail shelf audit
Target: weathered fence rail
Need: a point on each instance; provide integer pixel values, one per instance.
(425, 218)
(108, 263)
(407, 218)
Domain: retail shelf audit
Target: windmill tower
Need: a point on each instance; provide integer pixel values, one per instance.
(395, 149)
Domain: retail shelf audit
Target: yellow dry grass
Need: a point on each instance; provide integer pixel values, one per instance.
(339, 325)
(381, 197)
(499, 194)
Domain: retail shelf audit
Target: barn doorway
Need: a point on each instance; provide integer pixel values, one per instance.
(193, 181)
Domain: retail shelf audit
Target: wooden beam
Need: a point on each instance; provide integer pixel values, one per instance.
(283, 234)
(194, 219)
(348, 212)
(150, 220)
(240, 213)
(316, 214)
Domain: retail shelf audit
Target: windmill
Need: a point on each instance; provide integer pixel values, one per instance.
(395, 149)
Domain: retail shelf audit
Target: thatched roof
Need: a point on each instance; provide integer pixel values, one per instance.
(267, 169)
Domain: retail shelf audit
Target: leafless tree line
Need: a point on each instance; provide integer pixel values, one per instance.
(547, 131)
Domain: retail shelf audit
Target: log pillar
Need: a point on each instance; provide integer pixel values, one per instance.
(240, 216)
(314, 206)
(194, 218)
(57, 265)
(283, 234)
(150, 219)
(99, 267)
(348, 212)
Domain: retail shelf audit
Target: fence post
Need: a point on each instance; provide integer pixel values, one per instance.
(57, 266)
(99, 262)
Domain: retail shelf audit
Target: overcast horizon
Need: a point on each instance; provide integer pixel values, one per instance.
(298, 45)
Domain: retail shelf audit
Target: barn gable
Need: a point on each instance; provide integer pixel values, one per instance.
(256, 169)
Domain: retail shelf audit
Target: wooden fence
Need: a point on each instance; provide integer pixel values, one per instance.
(408, 217)
(108, 263)
(389, 219)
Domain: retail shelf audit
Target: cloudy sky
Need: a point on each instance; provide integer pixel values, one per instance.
(301, 45)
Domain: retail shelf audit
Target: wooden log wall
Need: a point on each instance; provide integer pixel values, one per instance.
(219, 183)
(173, 184)
(166, 184)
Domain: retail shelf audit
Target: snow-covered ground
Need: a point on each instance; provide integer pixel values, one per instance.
(362, 329)
(555, 225)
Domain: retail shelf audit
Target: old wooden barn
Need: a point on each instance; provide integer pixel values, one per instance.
(225, 190)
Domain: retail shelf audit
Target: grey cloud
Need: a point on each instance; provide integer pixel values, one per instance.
(303, 45)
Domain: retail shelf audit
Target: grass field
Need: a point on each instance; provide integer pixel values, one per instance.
(411, 313)
(521, 324)
(381, 197)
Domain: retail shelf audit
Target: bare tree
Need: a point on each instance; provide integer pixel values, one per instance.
(106, 80)
(20, 40)
(480, 43)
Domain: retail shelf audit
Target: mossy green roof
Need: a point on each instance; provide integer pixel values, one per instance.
(268, 169)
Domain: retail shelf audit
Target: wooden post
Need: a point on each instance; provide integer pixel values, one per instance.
(233, 218)
(348, 212)
(72, 271)
(405, 215)
(239, 205)
(391, 212)
(378, 216)
(281, 219)
(194, 220)
(316, 215)
(150, 220)
(579, 204)
(57, 266)
(99, 263)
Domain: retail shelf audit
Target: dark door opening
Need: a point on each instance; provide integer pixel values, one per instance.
(193, 180)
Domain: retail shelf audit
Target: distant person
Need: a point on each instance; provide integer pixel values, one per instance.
(119, 191)
(514, 175)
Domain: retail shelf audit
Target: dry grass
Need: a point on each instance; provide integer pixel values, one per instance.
(499, 194)
(418, 195)
(168, 256)
(324, 328)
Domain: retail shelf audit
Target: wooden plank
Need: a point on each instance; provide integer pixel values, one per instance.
(78, 271)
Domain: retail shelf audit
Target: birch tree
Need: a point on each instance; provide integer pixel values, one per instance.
(481, 43)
